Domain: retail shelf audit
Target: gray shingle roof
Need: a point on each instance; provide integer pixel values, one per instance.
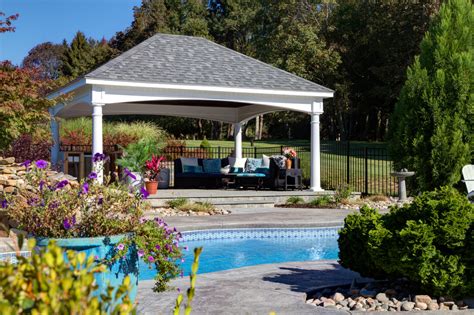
(177, 59)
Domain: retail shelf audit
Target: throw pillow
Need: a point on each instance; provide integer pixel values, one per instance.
(237, 162)
(189, 161)
(265, 161)
(252, 165)
(279, 160)
(225, 170)
(211, 165)
(192, 169)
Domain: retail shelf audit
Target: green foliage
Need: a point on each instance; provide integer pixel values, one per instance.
(321, 201)
(46, 57)
(46, 283)
(429, 241)
(136, 154)
(431, 129)
(294, 200)
(205, 144)
(177, 203)
(192, 286)
(22, 106)
(90, 209)
(83, 55)
(343, 192)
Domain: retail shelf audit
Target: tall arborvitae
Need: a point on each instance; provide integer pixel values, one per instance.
(432, 128)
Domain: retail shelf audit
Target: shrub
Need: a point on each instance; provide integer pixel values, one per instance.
(136, 154)
(294, 200)
(321, 201)
(343, 192)
(26, 147)
(46, 283)
(428, 241)
(177, 203)
(205, 144)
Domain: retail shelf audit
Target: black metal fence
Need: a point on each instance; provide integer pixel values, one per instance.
(365, 168)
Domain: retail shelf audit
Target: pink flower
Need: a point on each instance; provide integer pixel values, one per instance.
(151, 259)
(141, 252)
(120, 246)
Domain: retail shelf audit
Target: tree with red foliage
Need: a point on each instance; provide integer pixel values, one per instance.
(23, 106)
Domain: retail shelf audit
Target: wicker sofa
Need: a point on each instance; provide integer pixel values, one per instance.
(270, 178)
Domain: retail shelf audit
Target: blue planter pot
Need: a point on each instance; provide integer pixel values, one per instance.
(104, 247)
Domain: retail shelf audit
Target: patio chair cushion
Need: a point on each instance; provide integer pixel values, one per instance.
(265, 161)
(189, 161)
(234, 170)
(192, 169)
(211, 165)
(250, 175)
(263, 170)
(279, 160)
(252, 165)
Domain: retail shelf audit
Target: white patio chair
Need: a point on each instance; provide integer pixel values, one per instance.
(468, 175)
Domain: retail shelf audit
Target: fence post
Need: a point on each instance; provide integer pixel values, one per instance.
(219, 152)
(366, 175)
(254, 152)
(281, 150)
(348, 172)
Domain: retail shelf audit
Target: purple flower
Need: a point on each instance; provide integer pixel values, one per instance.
(141, 252)
(92, 175)
(61, 184)
(41, 185)
(4, 204)
(143, 220)
(53, 205)
(186, 248)
(158, 247)
(120, 246)
(96, 257)
(85, 188)
(151, 259)
(179, 290)
(182, 260)
(41, 164)
(98, 157)
(144, 193)
(100, 201)
(129, 174)
(69, 223)
(32, 201)
(181, 274)
(26, 163)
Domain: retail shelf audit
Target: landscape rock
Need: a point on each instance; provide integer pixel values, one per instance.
(338, 297)
(421, 305)
(382, 297)
(433, 306)
(407, 306)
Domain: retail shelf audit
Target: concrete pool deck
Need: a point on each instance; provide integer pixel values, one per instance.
(256, 289)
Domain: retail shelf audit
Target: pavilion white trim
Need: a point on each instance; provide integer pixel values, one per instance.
(91, 97)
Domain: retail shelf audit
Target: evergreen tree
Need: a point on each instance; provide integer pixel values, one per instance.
(83, 55)
(432, 128)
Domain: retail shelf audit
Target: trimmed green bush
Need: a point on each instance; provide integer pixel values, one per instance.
(205, 144)
(177, 203)
(321, 201)
(430, 242)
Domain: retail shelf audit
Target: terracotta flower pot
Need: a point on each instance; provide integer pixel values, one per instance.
(151, 187)
(288, 164)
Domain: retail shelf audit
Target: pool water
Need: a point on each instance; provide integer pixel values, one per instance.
(229, 249)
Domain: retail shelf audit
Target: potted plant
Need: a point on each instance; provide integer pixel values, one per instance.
(102, 220)
(152, 171)
(290, 154)
(133, 160)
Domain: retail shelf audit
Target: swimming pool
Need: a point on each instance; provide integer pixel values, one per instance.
(235, 248)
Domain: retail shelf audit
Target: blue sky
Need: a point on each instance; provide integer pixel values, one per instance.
(53, 20)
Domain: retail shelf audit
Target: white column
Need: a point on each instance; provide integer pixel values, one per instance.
(238, 140)
(315, 184)
(55, 148)
(97, 136)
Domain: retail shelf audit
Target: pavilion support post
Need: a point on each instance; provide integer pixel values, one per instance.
(315, 184)
(55, 149)
(238, 140)
(97, 140)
